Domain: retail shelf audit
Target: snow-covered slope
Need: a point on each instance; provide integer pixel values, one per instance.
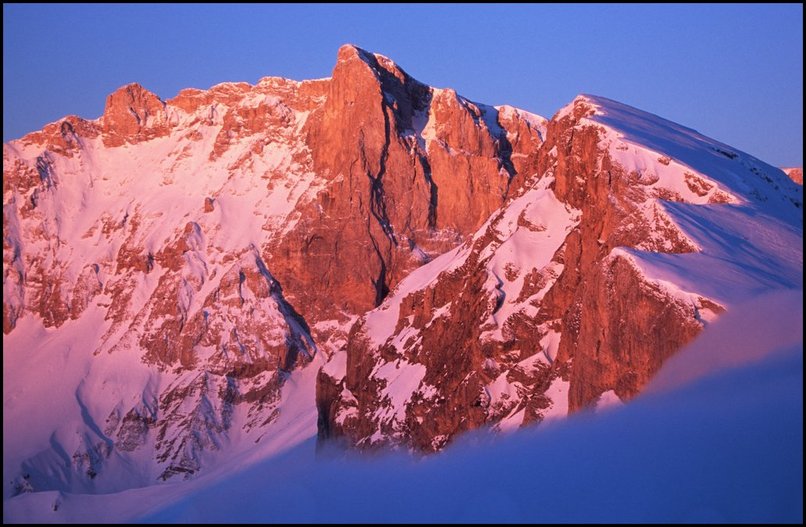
(751, 244)
(722, 445)
(117, 252)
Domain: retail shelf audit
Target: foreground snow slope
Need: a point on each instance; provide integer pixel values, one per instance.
(717, 438)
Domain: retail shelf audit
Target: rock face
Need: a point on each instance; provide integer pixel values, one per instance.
(408, 171)
(132, 115)
(556, 303)
(206, 275)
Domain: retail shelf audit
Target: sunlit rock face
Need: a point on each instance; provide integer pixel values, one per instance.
(627, 237)
(795, 174)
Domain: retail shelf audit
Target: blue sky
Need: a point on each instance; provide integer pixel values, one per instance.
(733, 72)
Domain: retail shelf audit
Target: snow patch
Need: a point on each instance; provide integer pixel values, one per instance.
(608, 400)
(402, 380)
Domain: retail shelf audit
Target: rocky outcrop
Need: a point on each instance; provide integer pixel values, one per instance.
(410, 170)
(616, 327)
(133, 114)
(795, 174)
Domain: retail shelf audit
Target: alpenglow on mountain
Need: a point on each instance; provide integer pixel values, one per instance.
(362, 258)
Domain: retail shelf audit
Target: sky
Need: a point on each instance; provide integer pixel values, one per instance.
(732, 72)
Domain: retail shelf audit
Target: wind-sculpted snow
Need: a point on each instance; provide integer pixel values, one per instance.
(723, 444)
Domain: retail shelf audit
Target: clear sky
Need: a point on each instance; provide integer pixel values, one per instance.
(733, 72)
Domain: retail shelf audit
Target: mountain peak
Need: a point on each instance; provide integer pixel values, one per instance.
(132, 95)
(130, 111)
(581, 106)
(351, 51)
(380, 65)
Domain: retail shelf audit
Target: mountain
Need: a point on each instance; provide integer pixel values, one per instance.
(631, 236)
(211, 280)
(175, 265)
